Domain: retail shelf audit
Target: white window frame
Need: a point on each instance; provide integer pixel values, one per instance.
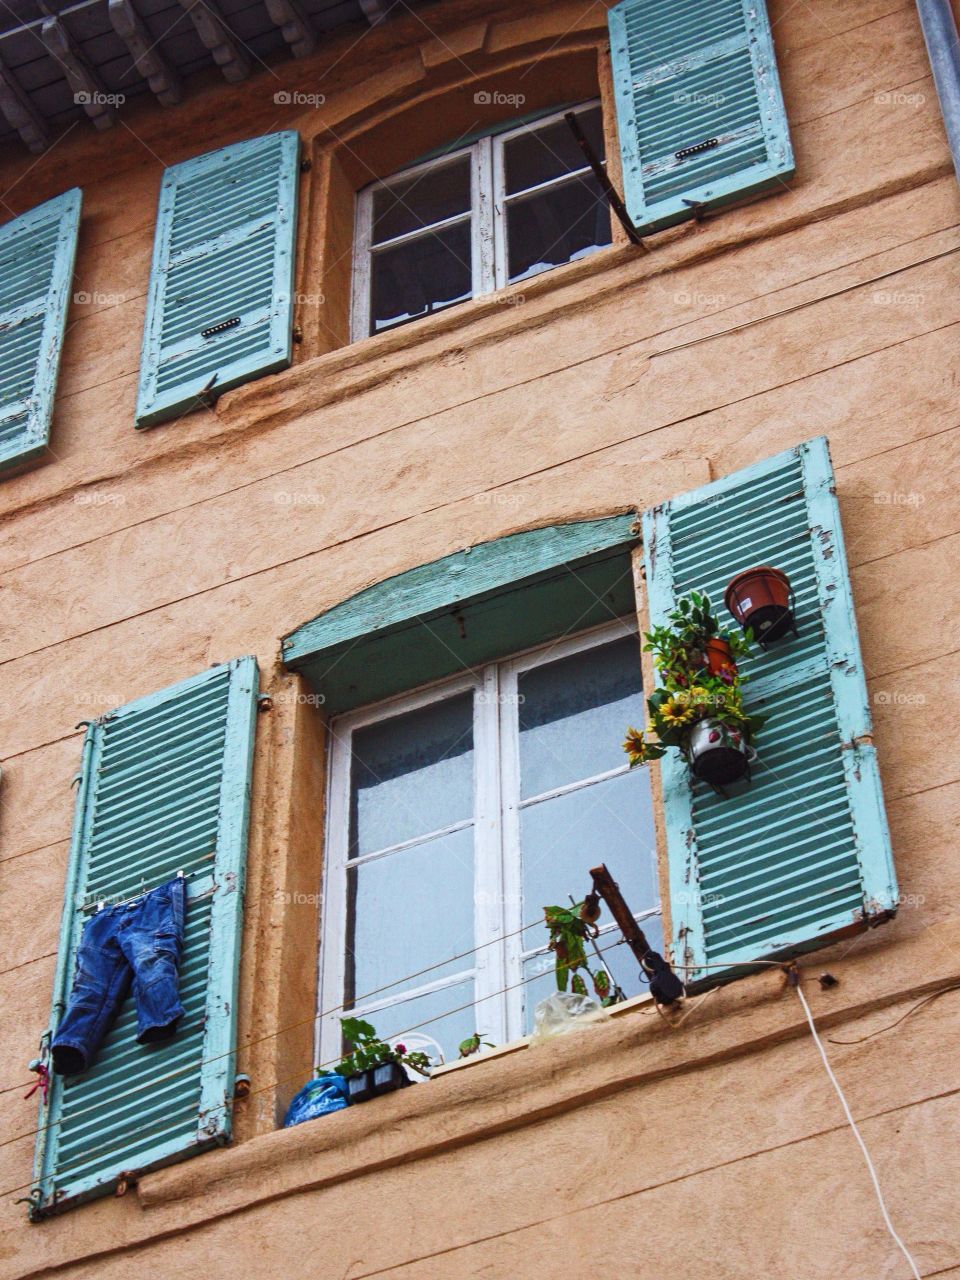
(497, 970)
(489, 204)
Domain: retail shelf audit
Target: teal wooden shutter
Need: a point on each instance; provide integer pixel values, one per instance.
(36, 267)
(699, 108)
(801, 855)
(220, 304)
(164, 787)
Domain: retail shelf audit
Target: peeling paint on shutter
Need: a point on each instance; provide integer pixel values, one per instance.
(164, 787)
(36, 267)
(801, 855)
(699, 108)
(220, 305)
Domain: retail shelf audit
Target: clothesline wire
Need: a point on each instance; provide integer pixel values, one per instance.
(190, 1068)
(366, 995)
(63, 1173)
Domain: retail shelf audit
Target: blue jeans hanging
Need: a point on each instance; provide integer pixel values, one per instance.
(138, 942)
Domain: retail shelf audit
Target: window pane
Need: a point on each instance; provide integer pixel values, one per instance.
(412, 774)
(541, 154)
(573, 714)
(559, 225)
(448, 1030)
(408, 910)
(562, 838)
(419, 201)
(618, 959)
(421, 276)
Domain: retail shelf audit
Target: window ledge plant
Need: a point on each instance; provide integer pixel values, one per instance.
(373, 1067)
(697, 708)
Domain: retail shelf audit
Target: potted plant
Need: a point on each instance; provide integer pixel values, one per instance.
(692, 643)
(761, 600)
(570, 928)
(698, 707)
(372, 1067)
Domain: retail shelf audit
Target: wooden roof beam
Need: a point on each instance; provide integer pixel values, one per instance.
(20, 113)
(295, 27)
(374, 10)
(88, 91)
(227, 51)
(160, 76)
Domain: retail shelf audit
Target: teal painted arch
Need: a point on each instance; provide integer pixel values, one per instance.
(467, 608)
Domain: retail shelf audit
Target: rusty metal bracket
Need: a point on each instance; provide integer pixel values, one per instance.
(665, 986)
(610, 193)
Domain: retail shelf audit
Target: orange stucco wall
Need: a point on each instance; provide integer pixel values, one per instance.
(129, 560)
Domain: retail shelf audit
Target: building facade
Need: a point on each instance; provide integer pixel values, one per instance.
(350, 444)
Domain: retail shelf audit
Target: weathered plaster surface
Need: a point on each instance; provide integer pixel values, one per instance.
(131, 559)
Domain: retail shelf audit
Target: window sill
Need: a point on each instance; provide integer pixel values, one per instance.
(525, 1042)
(512, 1088)
(354, 367)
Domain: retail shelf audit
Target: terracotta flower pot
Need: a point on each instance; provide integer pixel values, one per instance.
(718, 753)
(718, 657)
(761, 600)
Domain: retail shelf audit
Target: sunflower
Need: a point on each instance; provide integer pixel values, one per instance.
(675, 712)
(634, 746)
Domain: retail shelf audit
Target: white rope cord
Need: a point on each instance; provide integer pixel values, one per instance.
(856, 1133)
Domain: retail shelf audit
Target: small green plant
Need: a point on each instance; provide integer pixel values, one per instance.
(368, 1050)
(569, 933)
(694, 685)
(473, 1044)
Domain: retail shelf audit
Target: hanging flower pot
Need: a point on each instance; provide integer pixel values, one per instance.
(761, 600)
(697, 708)
(718, 658)
(718, 753)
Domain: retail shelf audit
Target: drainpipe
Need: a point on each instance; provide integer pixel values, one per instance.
(943, 50)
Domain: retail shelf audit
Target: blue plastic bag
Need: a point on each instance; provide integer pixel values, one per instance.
(319, 1097)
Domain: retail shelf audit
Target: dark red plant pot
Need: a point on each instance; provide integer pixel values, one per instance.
(761, 601)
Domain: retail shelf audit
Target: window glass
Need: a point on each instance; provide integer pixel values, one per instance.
(545, 152)
(561, 224)
(562, 838)
(428, 197)
(421, 276)
(412, 774)
(573, 713)
(410, 909)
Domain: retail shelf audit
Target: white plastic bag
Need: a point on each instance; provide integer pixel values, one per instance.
(562, 1012)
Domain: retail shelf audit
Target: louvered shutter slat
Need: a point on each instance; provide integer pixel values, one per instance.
(37, 253)
(699, 109)
(179, 808)
(223, 255)
(800, 855)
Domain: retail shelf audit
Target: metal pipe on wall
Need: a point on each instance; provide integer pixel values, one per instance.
(940, 34)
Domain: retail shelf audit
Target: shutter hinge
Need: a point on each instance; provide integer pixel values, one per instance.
(306, 164)
(297, 333)
(264, 702)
